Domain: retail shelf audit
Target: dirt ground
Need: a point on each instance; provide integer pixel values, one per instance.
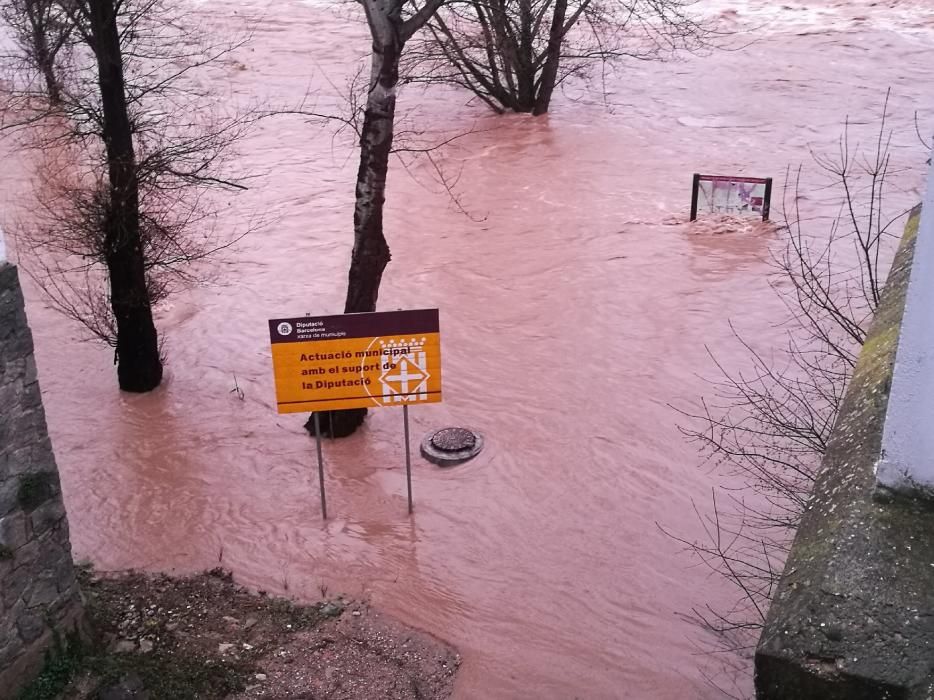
(157, 637)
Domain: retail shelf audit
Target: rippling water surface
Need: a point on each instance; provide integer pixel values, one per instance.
(576, 303)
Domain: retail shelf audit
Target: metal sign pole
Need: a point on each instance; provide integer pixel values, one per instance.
(408, 455)
(324, 504)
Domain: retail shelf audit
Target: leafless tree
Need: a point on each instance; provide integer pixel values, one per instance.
(765, 428)
(41, 31)
(129, 155)
(390, 28)
(392, 23)
(512, 54)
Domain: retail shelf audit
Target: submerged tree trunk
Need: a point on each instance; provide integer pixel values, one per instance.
(549, 75)
(139, 367)
(371, 251)
(389, 31)
(513, 54)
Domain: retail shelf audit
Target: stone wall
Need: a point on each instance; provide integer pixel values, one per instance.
(38, 590)
(853, 615)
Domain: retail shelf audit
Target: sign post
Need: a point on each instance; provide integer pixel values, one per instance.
(408, 455)
(324, 502)
(367, 360)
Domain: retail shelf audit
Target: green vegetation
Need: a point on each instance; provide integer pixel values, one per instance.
(35, 489)
(168, 675)
(62, 663)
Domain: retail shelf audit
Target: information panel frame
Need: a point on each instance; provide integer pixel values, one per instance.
(753, 194)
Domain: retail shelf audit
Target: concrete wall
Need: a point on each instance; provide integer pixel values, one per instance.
(38, 590)
(853, 615)
(906, 464)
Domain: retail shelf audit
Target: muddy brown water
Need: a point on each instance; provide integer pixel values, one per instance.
(576, 305)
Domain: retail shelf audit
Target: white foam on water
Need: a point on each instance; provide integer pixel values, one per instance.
(819, 17)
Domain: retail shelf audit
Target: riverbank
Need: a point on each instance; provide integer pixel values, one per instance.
(158, 637)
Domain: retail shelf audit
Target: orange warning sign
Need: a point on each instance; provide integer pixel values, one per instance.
(388, 358)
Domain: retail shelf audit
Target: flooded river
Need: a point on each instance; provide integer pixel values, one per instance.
(576, 304)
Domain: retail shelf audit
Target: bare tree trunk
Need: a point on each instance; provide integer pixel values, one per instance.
(139, 367)
(549, 75)
(45, 60)
(48, 72)
(31, 22)
(370, 250)
(389, 31)
(525, 68)
(513, 53)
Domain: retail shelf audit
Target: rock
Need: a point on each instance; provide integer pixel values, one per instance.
(125, 646)
(30, 625)
(356, 613)
(130, 687)
(260, 676)
(234, 622)
(145, 646)
(250, 622)
(331, 610)
(171, 627)
(248, 647)
(224, 648)
(14, 648)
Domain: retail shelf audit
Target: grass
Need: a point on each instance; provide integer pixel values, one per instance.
(62, 663)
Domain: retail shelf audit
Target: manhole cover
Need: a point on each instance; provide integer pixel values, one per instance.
(450, 446)
(453, 439)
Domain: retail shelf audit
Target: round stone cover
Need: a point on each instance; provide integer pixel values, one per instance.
(453, 439)
(450, 446)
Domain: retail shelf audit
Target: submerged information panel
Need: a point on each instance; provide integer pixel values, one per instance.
(368, 360)
(733, 195)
